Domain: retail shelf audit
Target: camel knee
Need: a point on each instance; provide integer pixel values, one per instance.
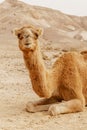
(77, 106)
(30, 107)
(53, 110)
(71, 106)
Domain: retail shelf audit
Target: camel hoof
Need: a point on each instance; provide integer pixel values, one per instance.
(30, 107)
(53, 110)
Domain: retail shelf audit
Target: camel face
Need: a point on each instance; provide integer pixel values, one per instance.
(28, 37)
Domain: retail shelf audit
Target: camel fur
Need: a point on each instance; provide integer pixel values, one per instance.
(64, 86)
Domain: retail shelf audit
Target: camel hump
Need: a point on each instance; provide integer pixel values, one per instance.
(84, 53)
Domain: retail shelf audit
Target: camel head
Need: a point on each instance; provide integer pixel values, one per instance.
(28, 36)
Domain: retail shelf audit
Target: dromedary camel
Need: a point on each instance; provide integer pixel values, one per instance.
(65, 81)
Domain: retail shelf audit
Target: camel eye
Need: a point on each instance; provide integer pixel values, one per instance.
(19, 35)
(36, 34)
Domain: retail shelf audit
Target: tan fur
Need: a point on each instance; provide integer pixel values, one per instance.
(66, 80)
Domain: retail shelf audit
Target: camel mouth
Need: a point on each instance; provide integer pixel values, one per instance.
(27, 44)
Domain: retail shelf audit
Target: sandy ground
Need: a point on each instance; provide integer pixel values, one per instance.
(16, 91)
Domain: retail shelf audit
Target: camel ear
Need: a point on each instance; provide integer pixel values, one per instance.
(39, 31)
(16, 32)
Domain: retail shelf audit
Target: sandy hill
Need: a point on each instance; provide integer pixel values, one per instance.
(64, 31)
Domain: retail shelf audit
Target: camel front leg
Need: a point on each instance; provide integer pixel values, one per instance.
(74, 105)
(41, 105)
(38, 108)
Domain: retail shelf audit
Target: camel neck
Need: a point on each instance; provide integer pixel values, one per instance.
(34, 60)
(38, 73)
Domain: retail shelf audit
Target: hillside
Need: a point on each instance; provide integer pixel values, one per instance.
(59, 28)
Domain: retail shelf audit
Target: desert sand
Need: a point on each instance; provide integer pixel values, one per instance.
(15, 86)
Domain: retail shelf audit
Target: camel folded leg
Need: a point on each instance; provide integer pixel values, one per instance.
(74, 105)
(41, 105)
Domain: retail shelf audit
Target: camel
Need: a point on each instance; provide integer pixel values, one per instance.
(63, 88)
